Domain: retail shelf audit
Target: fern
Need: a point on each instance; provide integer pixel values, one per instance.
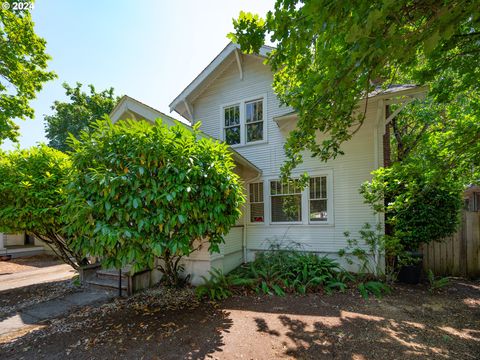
(435, 283)
(376, 288)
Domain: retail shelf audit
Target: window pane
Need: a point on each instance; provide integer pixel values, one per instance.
(324, 187)
(232, 135)
(237, 115)
(259, 111)
(256, 192)
(249, 112)
(252, 192)
(256, 212)
(254, 111)
(318, 188)
(232, 115)
(227, 116)
(318, 210)
(286, 208)
(255, 132)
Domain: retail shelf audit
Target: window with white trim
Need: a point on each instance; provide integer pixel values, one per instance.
(318, 200)
(286, 202)
(231, 117)
(244, 122)
(254, 120)
(257, 207)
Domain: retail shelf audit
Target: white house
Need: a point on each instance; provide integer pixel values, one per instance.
(234, 100)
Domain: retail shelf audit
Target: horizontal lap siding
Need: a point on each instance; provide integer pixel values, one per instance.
(233, 241)
(349, 170)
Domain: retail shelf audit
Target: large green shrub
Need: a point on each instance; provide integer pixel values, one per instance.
(420, 206)
(32, 192)
(143, 191)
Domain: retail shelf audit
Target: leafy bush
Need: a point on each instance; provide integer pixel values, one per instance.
(421, 207)
(142, 191)
(366, 251)
(33, 193)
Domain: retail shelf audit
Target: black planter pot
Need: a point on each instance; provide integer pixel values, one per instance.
(411, 274)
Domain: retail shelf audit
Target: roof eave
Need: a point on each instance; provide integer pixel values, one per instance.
(209, 69)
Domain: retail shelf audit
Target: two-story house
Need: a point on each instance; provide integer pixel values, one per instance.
(234, 100)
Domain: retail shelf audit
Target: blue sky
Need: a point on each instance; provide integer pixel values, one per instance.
(147, 49)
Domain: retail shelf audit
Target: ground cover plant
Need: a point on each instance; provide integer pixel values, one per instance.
(289, 271)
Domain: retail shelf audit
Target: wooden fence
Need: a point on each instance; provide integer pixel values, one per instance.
(458, 255)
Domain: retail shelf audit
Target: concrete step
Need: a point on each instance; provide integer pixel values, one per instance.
(107, 283)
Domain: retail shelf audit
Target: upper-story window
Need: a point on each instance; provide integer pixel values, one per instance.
(231, 116)
(244, 122)
(254, 120)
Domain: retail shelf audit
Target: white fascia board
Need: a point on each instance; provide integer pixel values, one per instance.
(219, 59)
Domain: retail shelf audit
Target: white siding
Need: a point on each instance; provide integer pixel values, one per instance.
(348, 171)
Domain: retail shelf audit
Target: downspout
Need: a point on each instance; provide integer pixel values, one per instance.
(376, 165)
(253, 179)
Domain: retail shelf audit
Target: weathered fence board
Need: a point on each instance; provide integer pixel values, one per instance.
(458, 255)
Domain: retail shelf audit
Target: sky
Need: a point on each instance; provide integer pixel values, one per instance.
(150, 50)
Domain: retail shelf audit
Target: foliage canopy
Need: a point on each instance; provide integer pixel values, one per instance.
(33, 195)
(330, 54)
(23, 64)
(76, 115)
(142, 191)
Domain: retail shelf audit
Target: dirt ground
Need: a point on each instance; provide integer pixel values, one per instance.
(27, 263)
(411, 323)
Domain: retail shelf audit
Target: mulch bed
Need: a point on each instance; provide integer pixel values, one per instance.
(411, 323)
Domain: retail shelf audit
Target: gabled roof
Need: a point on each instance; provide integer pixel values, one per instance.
(179, 104)
(133, 108)
(398, 89)
(130, 108)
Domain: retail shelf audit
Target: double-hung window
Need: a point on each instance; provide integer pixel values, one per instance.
(257, 207)
(231, 116)
(318, 200)
(289, 203)
(254, 120)
(244, 123)
(286, 202)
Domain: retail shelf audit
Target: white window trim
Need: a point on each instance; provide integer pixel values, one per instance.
(329, 201)
(248, 212)
(302, 195)
(305, 202)
(243, 123)
(231, 126)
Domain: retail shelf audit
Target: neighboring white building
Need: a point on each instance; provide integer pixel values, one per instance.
(234, 100)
